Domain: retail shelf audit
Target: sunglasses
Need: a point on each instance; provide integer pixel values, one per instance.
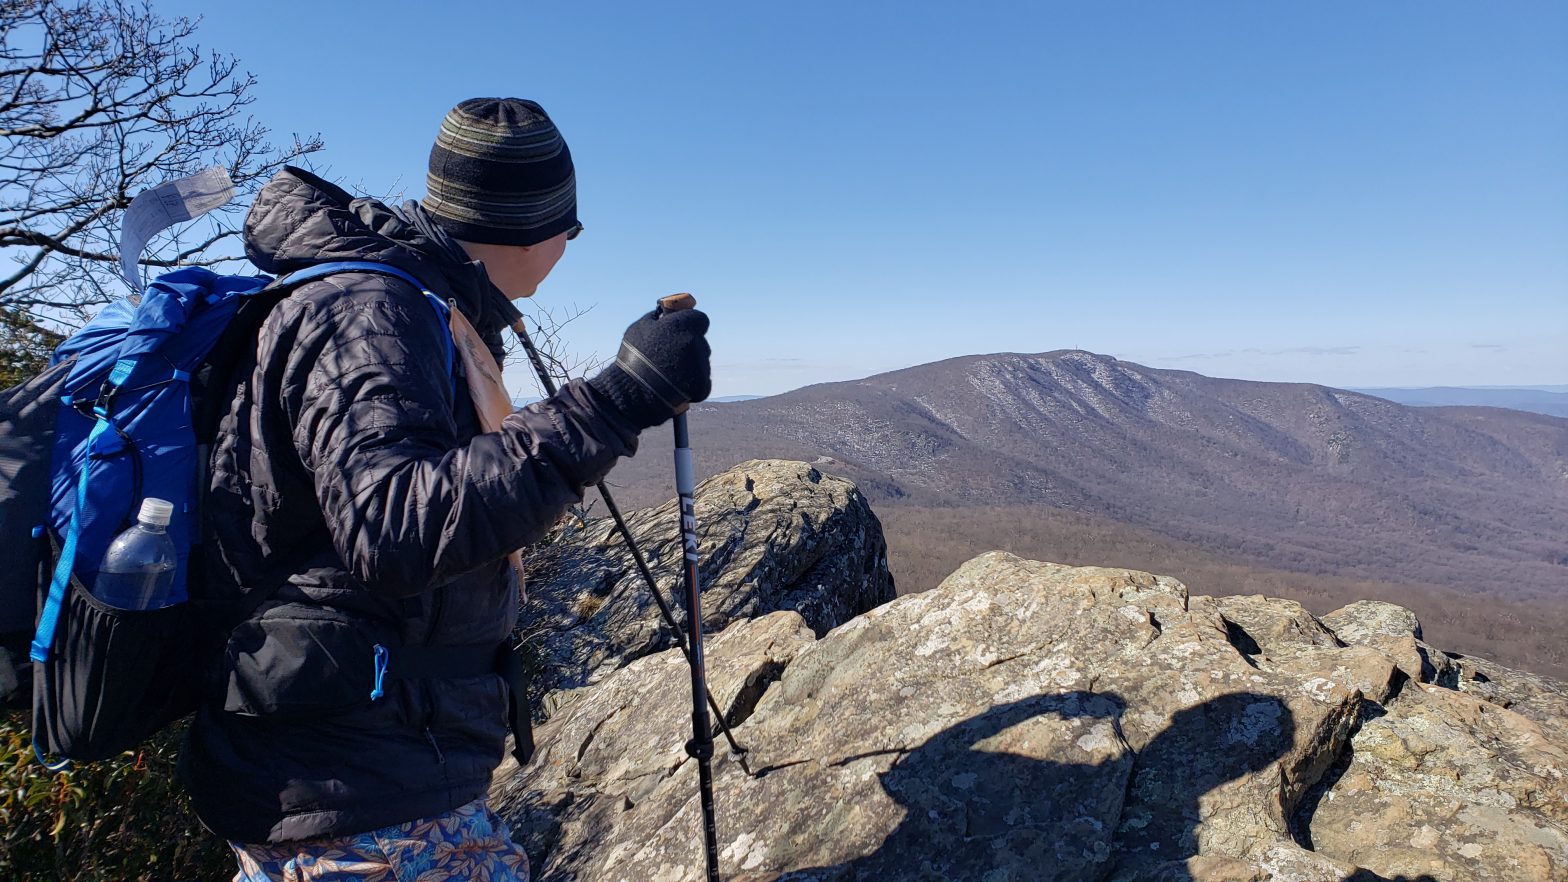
(574, 232)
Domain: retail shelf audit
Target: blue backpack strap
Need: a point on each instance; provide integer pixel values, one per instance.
(49, 616)
(442, 308)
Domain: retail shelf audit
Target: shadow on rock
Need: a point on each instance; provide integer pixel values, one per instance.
(974, 813)
(1205, 748)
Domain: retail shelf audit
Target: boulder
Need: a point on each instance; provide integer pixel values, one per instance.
(1448, 785)
(774, 535)
(602, 755)
(1024, 720)
(1357, 622)
(1271, 626)
(1395, 632)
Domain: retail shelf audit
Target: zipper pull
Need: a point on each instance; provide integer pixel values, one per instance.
(431, 737)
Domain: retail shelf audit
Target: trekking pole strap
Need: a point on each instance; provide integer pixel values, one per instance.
(700, 750)
(642, 369)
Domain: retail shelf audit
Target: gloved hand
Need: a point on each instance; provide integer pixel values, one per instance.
(662, 366)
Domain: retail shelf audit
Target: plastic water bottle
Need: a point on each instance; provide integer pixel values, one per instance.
(138, 570)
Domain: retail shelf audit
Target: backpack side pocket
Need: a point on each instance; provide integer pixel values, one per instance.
(116, 677)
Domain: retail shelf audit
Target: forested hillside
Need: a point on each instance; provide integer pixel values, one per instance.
(1293, 489)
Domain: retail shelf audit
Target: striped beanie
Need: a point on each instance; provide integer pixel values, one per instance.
(500, 174)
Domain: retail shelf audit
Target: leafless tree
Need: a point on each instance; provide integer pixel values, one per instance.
(99, 100)
(546, 327)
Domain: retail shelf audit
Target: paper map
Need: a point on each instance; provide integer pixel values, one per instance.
(163, 206)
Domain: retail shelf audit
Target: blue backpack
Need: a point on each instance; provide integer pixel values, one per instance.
(125, 411)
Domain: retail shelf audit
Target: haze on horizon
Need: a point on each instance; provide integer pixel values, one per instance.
(1357, 195)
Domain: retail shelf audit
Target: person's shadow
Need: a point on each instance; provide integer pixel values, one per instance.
(977, 814)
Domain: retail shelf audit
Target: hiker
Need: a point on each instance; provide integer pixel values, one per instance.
(351, 478)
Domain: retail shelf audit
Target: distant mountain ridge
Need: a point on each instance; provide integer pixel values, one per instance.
(1547, 400)
(1293, 476)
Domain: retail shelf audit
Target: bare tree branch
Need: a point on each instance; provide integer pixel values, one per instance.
(100, 100)
(549, 342)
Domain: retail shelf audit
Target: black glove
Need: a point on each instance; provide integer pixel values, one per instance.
(662, 366)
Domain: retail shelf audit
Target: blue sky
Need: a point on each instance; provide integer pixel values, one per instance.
(1357, 194)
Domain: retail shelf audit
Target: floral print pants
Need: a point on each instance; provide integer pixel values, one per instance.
(467, 843)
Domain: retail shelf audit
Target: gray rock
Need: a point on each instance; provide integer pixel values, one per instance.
(1394, 631)
(605, 753)
(1273, 625)
(1034, 721)
(1542, 700)
(1022, 721)
(774, 535)
(1451, 786)
(1356, 622)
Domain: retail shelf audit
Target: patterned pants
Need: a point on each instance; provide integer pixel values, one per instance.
(467, 843)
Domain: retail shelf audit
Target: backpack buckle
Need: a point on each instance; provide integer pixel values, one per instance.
(105, 402)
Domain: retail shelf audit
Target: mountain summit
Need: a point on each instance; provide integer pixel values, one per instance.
(1293, 476)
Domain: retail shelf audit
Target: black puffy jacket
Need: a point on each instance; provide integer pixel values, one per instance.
(351, 482)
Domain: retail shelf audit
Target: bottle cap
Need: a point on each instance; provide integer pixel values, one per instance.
(156, 511)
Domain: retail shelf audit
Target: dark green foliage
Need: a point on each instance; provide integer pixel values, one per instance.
(124, 818)
(24, 347)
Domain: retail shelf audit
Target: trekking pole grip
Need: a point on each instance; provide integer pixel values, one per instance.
(677, 302)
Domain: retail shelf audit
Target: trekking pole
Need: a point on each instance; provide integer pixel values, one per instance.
(700, 747)
(520, 328)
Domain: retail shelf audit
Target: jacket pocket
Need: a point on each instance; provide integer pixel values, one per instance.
(301, 660)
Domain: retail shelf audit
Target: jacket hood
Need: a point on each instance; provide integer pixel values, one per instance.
(299, 220)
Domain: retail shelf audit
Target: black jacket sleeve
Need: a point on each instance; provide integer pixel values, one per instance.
(370, 400)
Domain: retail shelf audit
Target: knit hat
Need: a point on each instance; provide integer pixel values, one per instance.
(500, 174)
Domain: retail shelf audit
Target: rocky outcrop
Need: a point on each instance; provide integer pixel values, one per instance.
(1023, 721)
(774, 535)
(1393, 631)
(1445, 784)
(1542, 700)
(1367, 620)
(1034, 721)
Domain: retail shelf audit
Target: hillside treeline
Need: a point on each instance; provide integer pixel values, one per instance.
(926, 544)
